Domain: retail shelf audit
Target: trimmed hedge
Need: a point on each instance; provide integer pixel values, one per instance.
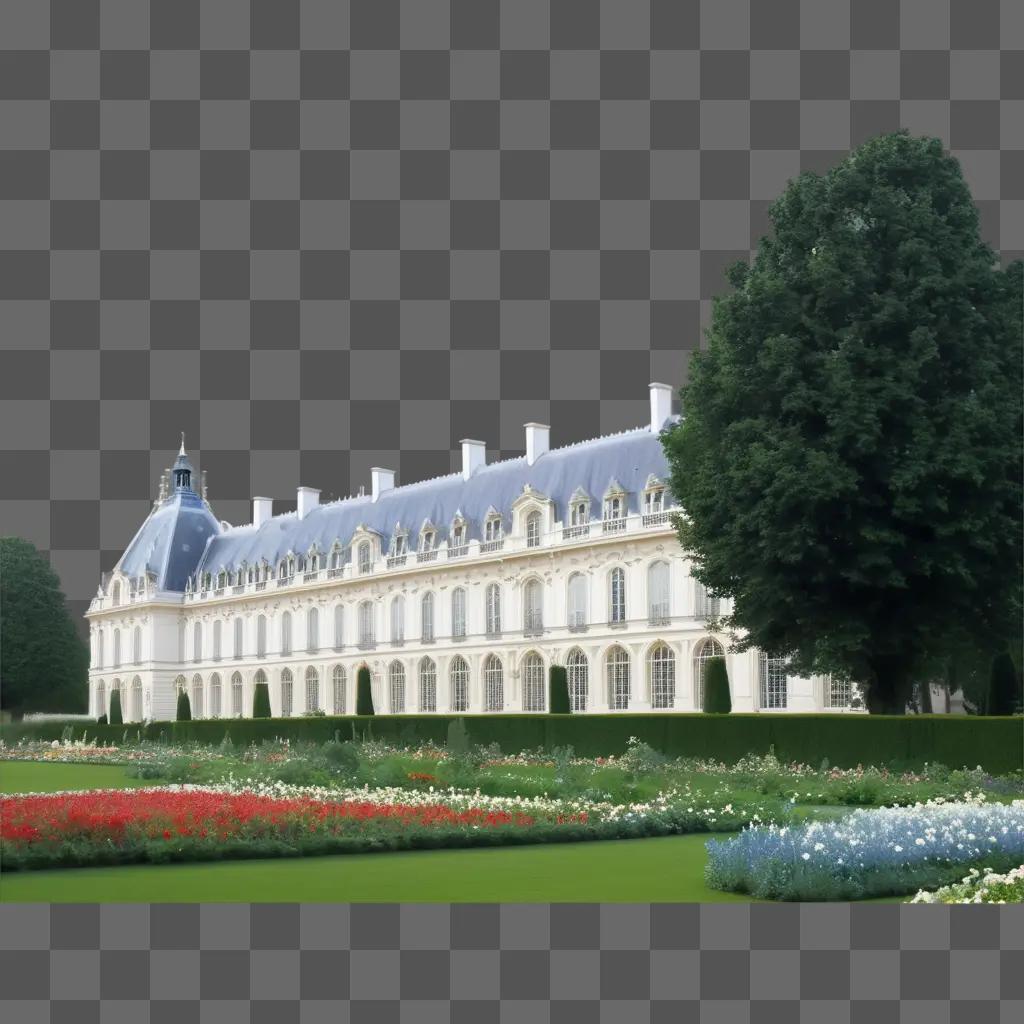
(904, 741)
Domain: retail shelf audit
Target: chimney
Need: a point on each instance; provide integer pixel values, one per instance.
(262, 510)
(661, 406)
(474, 456)
(382, 480)
(538, 439)
(307, 499)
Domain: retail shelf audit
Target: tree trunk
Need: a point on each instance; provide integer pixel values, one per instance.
(889, 687)
(927, 707)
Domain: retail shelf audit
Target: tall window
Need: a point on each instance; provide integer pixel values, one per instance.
(838, 692)
(707, 650)
(618, 679)
(366, 632)
(312, 689)
(286, 693)
(492, 602)
(494, 686)
(286, 633)
(236, 695)
(117, 593)
(135, 711)
(197, 641)
(577, 601)
(338, 690)
(705, 606)
(458, 677)
(492, 529)
(458, 534)
(261, 637)
(579, 514)
(117, 648)
(654, 501)
(578, 672)
(458, 613)
(533, 606)
(215, 695)
(101, 699)
(774, 682)
(197, 696)
(534, 690)
(260, 677)
(658, 592)
(428, 685)
(661, 676)
(533, 530)
(339, 627)
(396, 687)
(336, 562)
(398, 620)
(99, 648)
(427, 619)
(137, 645)
(365, 557)
(614, 507)
(617, 596)
(313, 629)
(217, 632)
(239, 635)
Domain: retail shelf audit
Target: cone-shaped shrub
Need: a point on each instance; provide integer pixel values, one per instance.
(184, 712)
(261, 700)
(1003, 686)
(558, 691)
(102, 720)
(116, 718)
(364, 696)
(716, 688)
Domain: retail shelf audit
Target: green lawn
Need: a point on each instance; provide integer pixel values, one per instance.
(39, 777)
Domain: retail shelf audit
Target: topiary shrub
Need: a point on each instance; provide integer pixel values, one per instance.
(184, 711)
(717, 700)
(116, 718)
(102, 720)
(1003, 686)
(364, 695)
(261, 700)
(558, 691)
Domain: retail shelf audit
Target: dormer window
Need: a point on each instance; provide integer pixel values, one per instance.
(291, 565)
(492, 529)
(365, 557)
(222, 580)
(579, 515)
(654, 501)
(428, 540)
(336, 556)
(398, 543)
(614, 508)
(533, 530)
(459, 535)
(282, 569)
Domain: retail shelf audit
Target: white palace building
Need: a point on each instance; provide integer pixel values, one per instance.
(458, 593)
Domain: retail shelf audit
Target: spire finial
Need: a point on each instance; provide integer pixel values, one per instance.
(182, 451)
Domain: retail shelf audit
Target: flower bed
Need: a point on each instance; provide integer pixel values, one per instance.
(869, 852)
(979, 887)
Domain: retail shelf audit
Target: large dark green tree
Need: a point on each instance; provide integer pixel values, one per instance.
(44, 663)
(850, 460)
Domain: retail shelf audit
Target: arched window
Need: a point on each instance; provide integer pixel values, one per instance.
(286, 693)
(197, 641)
(239, 639)
(215, 695)
(617, 597)
(618, 679)
(336, 557)
(261, 637)
(658, 593)
(427, 619)
(493, 609)
(101, 698)
(282, 569)
(366, 632)
(116, 593)
(578, 671)
(533, 530)
(533, 607)
(534, 688)
(428, 685)
(705, 606)
(117, 648)
(339, 627)
(838, 692)
(710, 648)
(236, 695)
(312, 689)
(774, 682)
(286, 633)
(396, 687)
(494, 684)
(458, 613)
(492, 529)
(398, 620)
(365, 557)
(260, 677)
(135, 707)
(216, 640)
(137, 645)
(313, 630)
(180, 685)
(458, 677)
(338, 690)
(197, 696)
(99, 648)
(661, 676)
(577, 601)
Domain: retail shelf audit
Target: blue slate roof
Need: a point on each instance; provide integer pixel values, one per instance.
(629, 459)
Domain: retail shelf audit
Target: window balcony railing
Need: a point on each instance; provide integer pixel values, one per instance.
(657, 618)
(427, 556)
(313, 574)
(577, 626)
(285, 581)
(261, 585)
(427, 639)
(219, 592)
(492, 634)
(617, 623)
(573, 532)
(366, 644)
(655, 518)
(616, 525)
(238, 588)
(459, 551)
(395, 560)
(365, 568)
(459, 634)
(492, 545)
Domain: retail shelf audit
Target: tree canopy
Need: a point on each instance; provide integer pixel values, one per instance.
(44, 663)
(850, 460)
